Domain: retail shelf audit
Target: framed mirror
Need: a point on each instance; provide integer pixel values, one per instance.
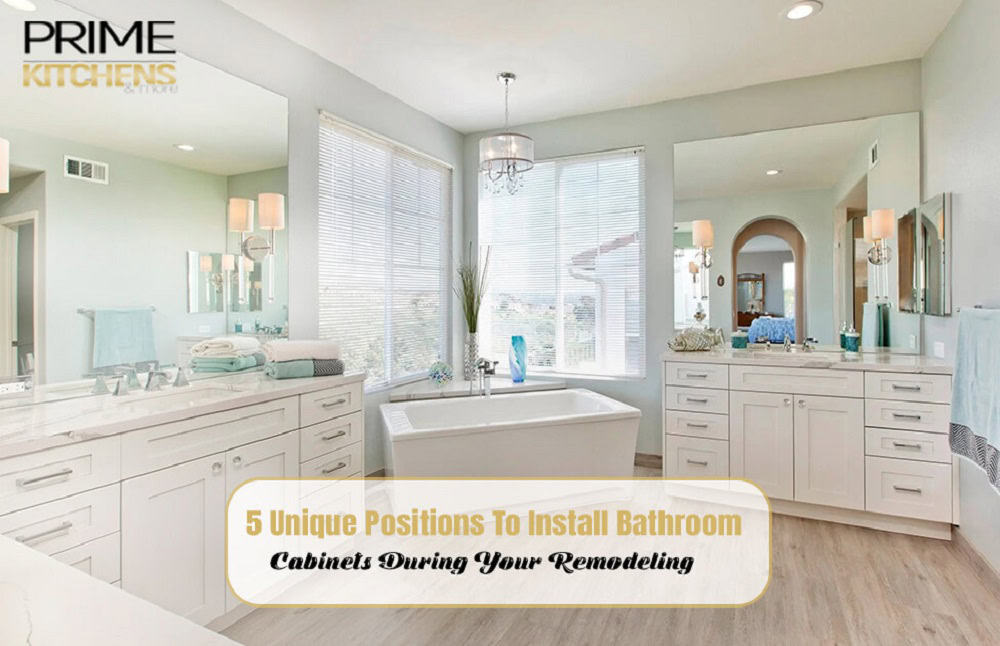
(925, 257)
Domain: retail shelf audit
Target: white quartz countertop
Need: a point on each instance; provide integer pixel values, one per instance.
(820, 358)
(45, 602)
(36, 427)
(424, 389)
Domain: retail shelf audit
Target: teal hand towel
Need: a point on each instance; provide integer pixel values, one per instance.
(233, 364)
(123, 336)
(975, 398)
(290, 369)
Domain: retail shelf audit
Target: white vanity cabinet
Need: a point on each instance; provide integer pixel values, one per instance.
(852, 443)
(145, 508)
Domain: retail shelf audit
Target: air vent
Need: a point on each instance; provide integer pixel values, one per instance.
(873, 155)
(86, 169)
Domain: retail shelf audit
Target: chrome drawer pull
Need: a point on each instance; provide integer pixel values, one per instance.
(340, 465)
(693, 425)
(61, 528)
(908, 489)
(915, 418)
(697, 400)
(27, 482)
(905, 445)
(327, 438)
(342, 400)
(700, 463)
(697, 375)
(913, 389)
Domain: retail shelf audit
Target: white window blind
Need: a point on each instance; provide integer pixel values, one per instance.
(567, 266)
(384, 218)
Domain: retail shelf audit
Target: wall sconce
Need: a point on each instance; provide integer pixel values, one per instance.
(271, 219)
(703, 237)
(693, 268)
(883, 227)
(4, 166)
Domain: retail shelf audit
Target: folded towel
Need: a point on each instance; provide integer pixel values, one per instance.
(226, 347)
(304, 368)
(220, 364)
(123, 336)
(295, 350)
(975, 398)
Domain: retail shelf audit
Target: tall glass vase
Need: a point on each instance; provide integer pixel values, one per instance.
(518, 356)
(469, 371)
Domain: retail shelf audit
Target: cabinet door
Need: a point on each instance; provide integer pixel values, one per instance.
(173, 538)
(760, 441)
(830, 451)
(277, 457)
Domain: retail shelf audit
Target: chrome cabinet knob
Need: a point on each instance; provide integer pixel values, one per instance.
(216, 467)
(802, 403)
(788, 401)
(237, 461)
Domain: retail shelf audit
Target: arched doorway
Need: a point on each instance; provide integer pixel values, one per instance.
(789, 233)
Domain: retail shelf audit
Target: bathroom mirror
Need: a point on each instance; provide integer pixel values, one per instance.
(788, 208)
(925, 257)
(118, 202)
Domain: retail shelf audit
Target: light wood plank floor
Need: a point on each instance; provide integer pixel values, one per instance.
(831, 584)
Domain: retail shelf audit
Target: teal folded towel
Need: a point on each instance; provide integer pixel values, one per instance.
(230, 364)
(123, 337)
(304, 368)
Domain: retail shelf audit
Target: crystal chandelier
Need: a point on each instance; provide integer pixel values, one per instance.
(504, 157)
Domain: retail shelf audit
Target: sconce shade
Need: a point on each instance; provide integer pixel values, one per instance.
(228, 262)
(867, 222)
(883, 224)
(206, 264)
(240, 215)
(271, 216)
(702, 234)
(693, 267)
(4, 166)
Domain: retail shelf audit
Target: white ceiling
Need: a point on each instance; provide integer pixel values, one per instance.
(812, 157)
(235, 126)
(763, 244)
(581, 56)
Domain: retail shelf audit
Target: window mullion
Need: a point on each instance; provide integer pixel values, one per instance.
(387, 357)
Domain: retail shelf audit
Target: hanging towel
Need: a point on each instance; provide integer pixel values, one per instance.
(296, 350)
(223, 364)
(875, 325)
(304, 368)
(975, 399)
(123, 336)
(226, 347)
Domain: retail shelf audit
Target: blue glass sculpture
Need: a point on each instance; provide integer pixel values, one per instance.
(518, 356)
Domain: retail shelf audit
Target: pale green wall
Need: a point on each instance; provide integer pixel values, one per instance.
(961, 92)
(812, 214)
(120, 245)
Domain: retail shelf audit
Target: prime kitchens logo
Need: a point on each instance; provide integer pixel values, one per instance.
(137, 58)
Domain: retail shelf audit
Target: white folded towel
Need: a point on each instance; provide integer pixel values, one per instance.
(296, 350)
(226, 346)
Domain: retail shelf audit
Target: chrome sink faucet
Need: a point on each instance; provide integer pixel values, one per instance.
(486, 370)
(809, 344)
(788, 343)
(155, 379)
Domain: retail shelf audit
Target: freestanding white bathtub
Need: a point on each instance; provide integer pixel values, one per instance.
(556, 433)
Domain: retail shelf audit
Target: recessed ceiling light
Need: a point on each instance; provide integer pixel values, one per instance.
(773, 171)
(804, 9)
(185, 147)
(22, 5)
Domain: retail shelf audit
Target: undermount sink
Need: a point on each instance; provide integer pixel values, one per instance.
(185, 397)
(797, 355)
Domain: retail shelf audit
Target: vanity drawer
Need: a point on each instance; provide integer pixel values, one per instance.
(329, 403)
(339, 464)
(913, 416)
(28, 480)
(320, 439)
(691, 457)
(797, 381)
(710, 426)
(61, 524)
(703, 400)
(908, 488)
(100, 558)
(162, 446)
(908, 387)
(911, 445)
(704, 375)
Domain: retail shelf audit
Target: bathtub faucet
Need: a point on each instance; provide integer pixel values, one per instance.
(486, 370)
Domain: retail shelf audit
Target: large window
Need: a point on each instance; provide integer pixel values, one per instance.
(567, 267)
(384, 214)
